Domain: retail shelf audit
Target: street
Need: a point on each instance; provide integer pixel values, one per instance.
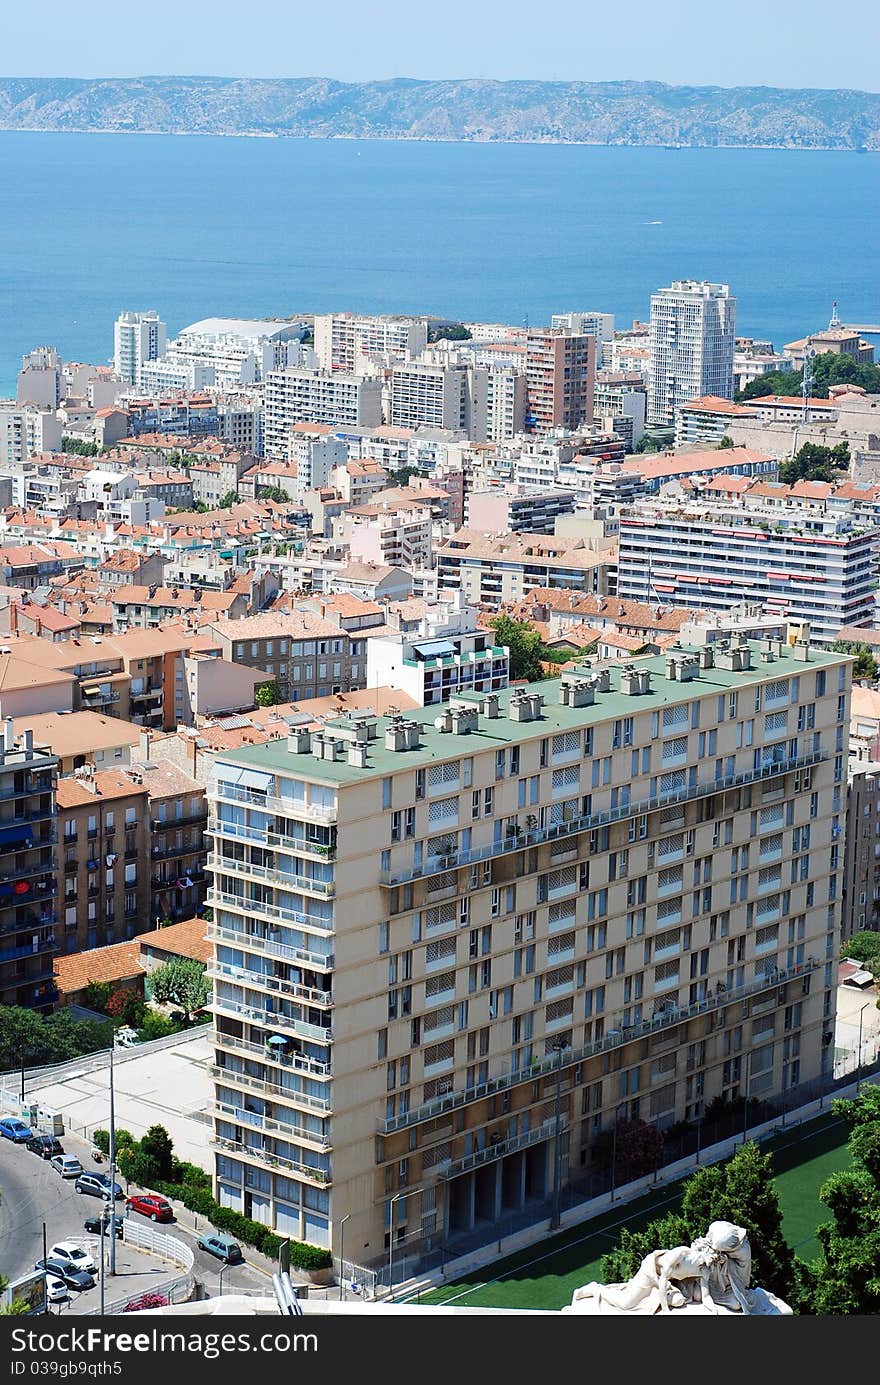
(32, 1193)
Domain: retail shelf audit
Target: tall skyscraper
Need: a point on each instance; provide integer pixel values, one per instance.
(560, 378)
(137, 337)
(691, 346)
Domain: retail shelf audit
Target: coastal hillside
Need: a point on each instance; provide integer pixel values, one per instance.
(614, 113)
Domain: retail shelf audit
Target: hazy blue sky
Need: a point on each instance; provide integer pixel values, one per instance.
(801, 43)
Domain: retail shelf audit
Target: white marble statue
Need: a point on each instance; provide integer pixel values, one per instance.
(711, 1276)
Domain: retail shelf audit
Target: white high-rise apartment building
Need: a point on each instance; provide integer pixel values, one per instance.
(348, 341)
(598, 325)
(316, 396)
(26, 429)
(137, 338)
(693, 328)
(445, 394)
(239, 351)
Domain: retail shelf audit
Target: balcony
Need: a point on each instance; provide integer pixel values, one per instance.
(270, 1125)
(320, 1177)
(146, 694)
(613, 1038)
(499, 1148)
(253, 942)
(234, 831)
(306, 883)
(297, 1061)
(260, 980)
(166, 824)
(438, 864)
(272, 1089)
(269, 802)
(271, 1018)
(256, 909)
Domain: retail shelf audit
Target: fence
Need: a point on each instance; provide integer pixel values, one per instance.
(585, 1198)
(347, 1274)
(152, 1242)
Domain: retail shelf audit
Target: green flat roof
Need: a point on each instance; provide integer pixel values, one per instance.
(492, 733)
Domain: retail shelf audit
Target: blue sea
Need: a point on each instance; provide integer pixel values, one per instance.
(198, 226)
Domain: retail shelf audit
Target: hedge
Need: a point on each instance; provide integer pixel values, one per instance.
(252, 1233)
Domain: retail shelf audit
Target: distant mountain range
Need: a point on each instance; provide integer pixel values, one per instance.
(616, 113)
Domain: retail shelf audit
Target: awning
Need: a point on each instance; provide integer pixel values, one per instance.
(256, 779)
(433, 649)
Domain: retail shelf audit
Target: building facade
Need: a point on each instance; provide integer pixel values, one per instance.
(421, 926)
(691, 346)
(715, 558)
(560, 377)
(137, 339)
(316, 396)
(28, 889)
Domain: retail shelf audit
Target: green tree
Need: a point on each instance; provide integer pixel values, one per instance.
(274, 493)
(449, 331)
(157, 1145)
(864, 947)
(181, 982)
(97, 993)
(268, 694)
(812, 462)
(80, 447)
(865, 666)
(137, 1167)
(726, 442)
(227, 501)
(742, 1191)
(622, 1262)
(403, 476)
(46, 1039)
(846, 1279)
(524, 644)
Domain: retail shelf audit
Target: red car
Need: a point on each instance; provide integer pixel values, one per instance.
(149, 1205)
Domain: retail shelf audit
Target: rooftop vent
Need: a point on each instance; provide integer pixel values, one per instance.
(357, 755)
(489, 705)
(576, 692)
(525, 706)
(635, 681)
(403, 734)
(299, 741)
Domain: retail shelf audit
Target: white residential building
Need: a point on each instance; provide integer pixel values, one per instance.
(691, 346)
(444, 655)
(240, 351)
(816, 570)
(297, 395)
(40, 378)
(598, 325)
(351, 342)
(441, 394)
(26, 429)
(137, 338)
(157, 377)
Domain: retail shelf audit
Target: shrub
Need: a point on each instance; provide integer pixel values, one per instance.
(147, 1300)
(156, 1145)
(306, 1257)
(124, 1140)
(189, 1174)
(125, 1005)
(155, 1026)
(137, 1166)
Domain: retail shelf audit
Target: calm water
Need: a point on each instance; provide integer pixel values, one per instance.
(198, 227)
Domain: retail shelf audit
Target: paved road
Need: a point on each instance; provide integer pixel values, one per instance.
(33, 1193)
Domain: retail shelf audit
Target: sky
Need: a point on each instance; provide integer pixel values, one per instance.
(683, 42)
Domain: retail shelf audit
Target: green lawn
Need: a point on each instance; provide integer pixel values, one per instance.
(545, 1275)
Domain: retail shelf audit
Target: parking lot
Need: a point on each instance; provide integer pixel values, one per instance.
(32, 1194)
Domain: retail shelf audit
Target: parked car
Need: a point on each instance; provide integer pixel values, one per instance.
(224, 1247)
(14, 1129)
(98, 1184)
(75, 1279)
(45, 1145)
(149, 1205)
(100, 1226)
(72, 1253)
(56, 1289)
(66, 1164)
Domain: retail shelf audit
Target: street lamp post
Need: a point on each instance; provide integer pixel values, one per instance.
(398, 1197)
(112, 1154)
(558, 1048)
(223, 1268)
(342, 1254)
(746, 1103)
(859, 1068)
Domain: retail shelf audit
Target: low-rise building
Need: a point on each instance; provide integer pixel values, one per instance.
(494, 571)
(103, 849)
